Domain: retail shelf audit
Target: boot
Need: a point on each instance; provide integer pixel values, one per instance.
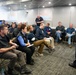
(12, 72)
(25, 70)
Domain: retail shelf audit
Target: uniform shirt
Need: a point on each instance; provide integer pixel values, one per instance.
(48, 29)
(38, 20)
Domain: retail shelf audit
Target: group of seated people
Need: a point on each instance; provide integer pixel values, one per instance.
(26, 41)
(68, 33)
(60, 30)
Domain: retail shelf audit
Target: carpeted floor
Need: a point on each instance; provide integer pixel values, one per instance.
(55, 63)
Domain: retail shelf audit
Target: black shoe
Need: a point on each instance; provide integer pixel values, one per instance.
(25, 70)
(12, 72)
(31, 63)
(32, 60)
(73, 65)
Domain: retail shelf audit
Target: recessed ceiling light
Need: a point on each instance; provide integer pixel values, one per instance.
(43, 6)
(25, 5)
(9, 8)
(49, 2)
(70, 4)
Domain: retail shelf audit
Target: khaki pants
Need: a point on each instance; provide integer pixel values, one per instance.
(50, 42)
(39, 43)
(43, 42)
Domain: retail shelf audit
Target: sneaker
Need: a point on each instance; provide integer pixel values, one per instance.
(37, 54)
(41, 55)
(60, 38)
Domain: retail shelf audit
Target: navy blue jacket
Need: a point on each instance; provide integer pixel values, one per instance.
(40, 34)
(48, 29)
(31, 36)
(38, 20)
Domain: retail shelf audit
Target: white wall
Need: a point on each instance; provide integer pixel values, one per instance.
(64, 14)
(73, 16)
(3, 14)
(61, 14)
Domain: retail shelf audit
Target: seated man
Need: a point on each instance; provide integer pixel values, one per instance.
(17, 30)
(35, 41)
(23, 43)
(59, 30)
(10, 52)
(69, 33)
(48, 30)
(41, 35)
(13, 26)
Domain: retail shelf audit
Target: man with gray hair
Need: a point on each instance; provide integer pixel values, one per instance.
(69, 33)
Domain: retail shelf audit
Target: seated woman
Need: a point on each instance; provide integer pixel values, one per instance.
(24, 45)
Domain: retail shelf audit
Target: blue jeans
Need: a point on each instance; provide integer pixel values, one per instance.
(69, 37)
(58, 36)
